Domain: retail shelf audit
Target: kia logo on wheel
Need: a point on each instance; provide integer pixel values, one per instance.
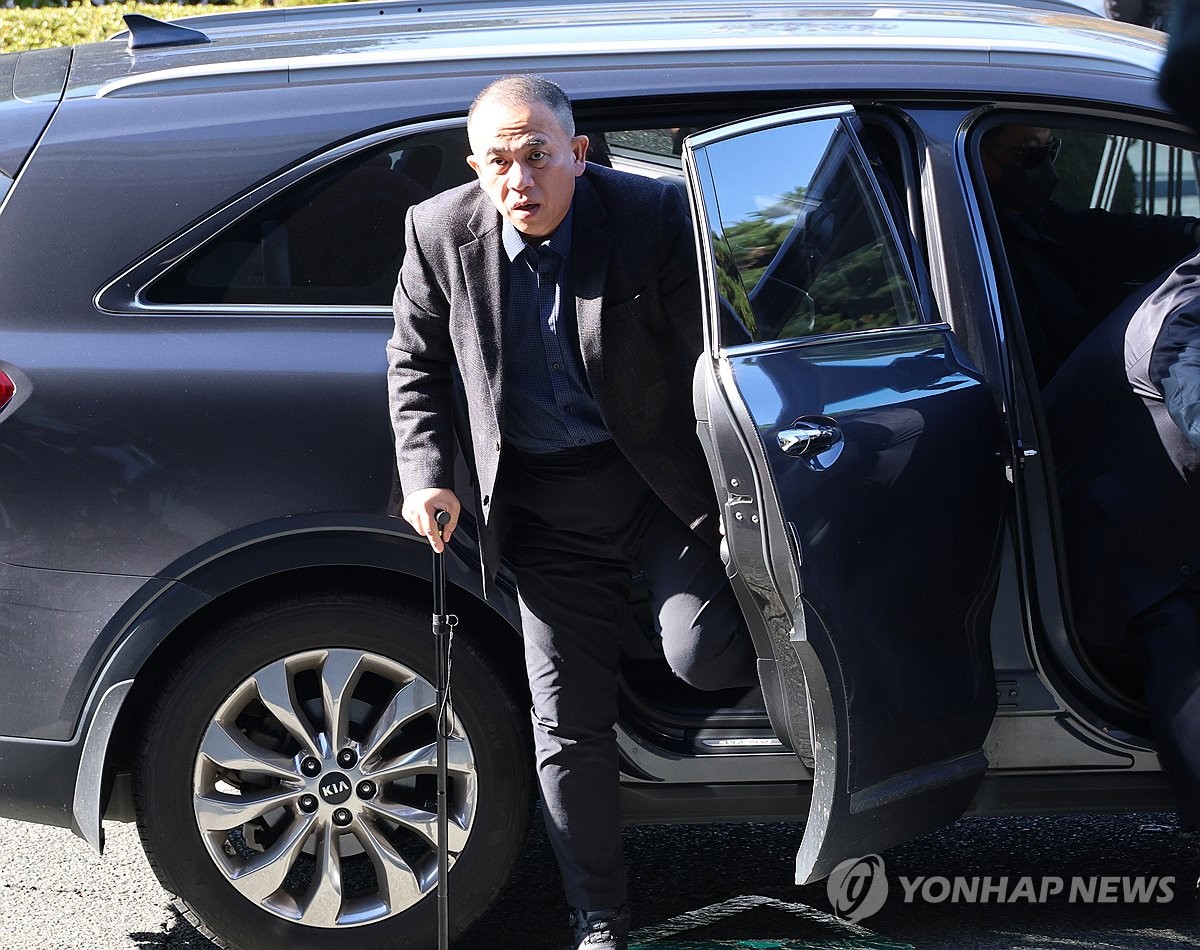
(335, 789)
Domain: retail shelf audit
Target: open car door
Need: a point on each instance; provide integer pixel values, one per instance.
(859, 459)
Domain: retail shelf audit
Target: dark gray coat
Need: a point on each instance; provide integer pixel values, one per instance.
(638, 310)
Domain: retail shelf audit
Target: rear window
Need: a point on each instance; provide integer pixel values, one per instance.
(337, 237)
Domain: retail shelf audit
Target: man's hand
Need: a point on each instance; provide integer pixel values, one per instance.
(419, 510)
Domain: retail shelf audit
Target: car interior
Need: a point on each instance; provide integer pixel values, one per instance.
(1119, 171)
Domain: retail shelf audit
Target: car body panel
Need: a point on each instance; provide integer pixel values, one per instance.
(31, 84)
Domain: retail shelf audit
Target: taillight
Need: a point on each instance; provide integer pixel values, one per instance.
(7, 388)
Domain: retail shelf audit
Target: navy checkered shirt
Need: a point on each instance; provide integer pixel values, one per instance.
(549, 405)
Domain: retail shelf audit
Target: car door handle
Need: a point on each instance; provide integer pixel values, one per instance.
(807, 438)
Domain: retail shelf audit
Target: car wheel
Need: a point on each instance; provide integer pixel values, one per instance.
(286, 783)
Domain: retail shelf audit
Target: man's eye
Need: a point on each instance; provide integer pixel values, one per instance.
(536, 156)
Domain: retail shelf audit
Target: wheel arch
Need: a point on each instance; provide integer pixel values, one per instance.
(219, 586)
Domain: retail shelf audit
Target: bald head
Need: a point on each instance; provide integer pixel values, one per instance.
(515, 92)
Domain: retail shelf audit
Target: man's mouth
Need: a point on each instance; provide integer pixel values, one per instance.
(525, 207)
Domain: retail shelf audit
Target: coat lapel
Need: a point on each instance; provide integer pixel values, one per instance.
(484, 267)
(591, 249)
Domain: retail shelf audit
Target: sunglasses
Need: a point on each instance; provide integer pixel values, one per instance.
(1030, 156)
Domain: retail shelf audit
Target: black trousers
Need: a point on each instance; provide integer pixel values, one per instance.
(577, 521)
(1169, 634)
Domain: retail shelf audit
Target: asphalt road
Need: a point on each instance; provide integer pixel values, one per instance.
(700, 888)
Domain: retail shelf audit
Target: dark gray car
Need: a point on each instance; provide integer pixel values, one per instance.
(209, 620)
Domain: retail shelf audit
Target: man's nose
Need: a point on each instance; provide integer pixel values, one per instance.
(520, 176)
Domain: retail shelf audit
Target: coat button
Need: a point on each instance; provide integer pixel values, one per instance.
(1185, 570)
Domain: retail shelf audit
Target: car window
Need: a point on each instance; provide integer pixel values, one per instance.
(802, 243)
(1084, 214)
(1126, 173)
(652, 152)
(336, 238)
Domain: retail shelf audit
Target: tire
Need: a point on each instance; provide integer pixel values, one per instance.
(251, 844)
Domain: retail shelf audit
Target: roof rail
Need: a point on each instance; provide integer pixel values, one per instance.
(363, 9)
(286, 18)
(145, 32)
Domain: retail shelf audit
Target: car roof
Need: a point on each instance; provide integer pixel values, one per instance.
(342, 41)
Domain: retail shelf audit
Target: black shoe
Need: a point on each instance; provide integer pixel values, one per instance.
(606, 929)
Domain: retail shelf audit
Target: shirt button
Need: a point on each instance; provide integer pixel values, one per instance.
(1185, 570)
(556, 366)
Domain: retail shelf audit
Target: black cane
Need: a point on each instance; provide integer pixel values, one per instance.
(443, 627)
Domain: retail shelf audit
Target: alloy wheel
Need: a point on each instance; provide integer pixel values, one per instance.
(314, 788)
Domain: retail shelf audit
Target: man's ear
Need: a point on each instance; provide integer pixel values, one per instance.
(474, 163)
(579, 147)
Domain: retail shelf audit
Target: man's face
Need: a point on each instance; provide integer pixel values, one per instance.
(527, 163)
(1014, 146)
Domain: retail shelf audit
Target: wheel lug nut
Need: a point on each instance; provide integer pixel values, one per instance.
(311, 766)
(347, 758)
(366, 789)
(342, 816)
(308, 803)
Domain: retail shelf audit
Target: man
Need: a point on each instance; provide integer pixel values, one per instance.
(1069, 268)
(563, 298)
(1124, 420)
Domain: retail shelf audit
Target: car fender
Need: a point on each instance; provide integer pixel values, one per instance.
(162, 609)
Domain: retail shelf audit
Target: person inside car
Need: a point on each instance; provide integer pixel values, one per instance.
(1069, 267)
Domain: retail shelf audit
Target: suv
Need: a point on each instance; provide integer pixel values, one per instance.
(211, 623)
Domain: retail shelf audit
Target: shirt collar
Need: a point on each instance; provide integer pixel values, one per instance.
(559, 242)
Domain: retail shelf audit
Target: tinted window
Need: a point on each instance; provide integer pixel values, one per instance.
(1085, 215)
(802, 244)
(1125, 173)
(335, 238)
